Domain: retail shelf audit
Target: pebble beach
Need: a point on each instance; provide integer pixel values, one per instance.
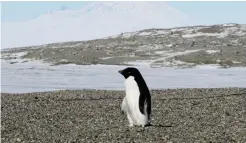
(179, 115)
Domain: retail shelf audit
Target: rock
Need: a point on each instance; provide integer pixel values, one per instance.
(192, 44)
(229, 44)
(18, 140)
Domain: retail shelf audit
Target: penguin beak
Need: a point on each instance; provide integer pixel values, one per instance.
(120, 71)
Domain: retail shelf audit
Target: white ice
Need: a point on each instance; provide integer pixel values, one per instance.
(212, 51)
(36, 77)
(204, 34)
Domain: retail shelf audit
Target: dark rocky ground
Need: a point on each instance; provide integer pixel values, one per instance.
(229, 40)
(183, 115)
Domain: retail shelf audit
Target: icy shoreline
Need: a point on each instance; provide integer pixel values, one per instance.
(37, 77)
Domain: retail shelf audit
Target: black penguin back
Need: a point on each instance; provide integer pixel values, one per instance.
(144, 97)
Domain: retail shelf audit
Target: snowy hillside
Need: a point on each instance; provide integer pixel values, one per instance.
(223, 44)
(95, 20)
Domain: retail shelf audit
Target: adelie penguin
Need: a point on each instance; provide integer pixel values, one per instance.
(137, 102)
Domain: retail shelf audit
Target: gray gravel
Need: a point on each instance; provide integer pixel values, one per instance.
(183, 115)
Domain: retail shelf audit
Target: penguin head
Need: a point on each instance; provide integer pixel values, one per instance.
(130, 71)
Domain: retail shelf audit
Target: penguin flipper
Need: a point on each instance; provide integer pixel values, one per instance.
(123, 105)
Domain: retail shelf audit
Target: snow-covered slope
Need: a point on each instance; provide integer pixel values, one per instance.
(95, 20)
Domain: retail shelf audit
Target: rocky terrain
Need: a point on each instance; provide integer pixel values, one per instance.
(179, 115)
(224, 45)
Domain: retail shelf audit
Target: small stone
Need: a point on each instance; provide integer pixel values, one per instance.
(18, 140)
(227, 113)
(229, 45)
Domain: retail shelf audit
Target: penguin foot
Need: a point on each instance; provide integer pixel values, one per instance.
(130, 125)
(146, 125)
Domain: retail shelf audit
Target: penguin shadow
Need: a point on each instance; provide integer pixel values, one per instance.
(159, 126)
(147, 127)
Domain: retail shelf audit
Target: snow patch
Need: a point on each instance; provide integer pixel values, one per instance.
(234, 31)
(63, 60)
(204, 34)
(208, 66)
(145, 33)
(243, 27)
(212, 51)
(179, 29)
(170, 54)
(165, 55)
(160, 52)
(161, 32)
(234, 41)
(105, 58)
(236, 62)
(239, 33)
(128, 34)
(14, 55)
(229, 24)
(142, 63)
(169, 45)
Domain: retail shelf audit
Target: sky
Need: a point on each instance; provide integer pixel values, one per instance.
(205, 12)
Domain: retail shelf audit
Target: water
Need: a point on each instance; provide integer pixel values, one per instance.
(36, 77)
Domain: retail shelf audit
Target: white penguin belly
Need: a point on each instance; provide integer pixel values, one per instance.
(132, 101)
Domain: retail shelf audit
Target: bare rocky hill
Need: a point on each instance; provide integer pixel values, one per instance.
(223, 44)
